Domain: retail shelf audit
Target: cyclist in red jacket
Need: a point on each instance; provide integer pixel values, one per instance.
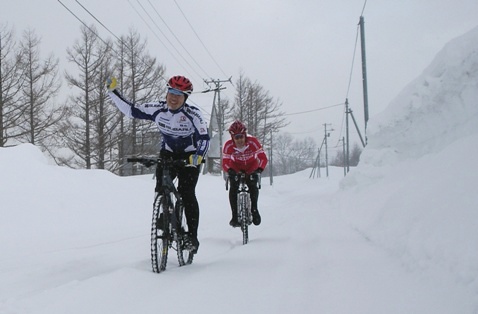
(243, 153)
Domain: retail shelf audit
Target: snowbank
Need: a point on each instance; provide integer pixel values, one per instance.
(419, 165)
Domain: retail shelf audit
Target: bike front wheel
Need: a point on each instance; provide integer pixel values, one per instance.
(160, 233)
(185, 255)
(244, 215)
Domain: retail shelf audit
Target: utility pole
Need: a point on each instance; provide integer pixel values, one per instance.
(317, 163)
(347, 154)
(326, 154)
(270, 163)
(343, 155)
(364, 73)
(220, 114)
(348, 112)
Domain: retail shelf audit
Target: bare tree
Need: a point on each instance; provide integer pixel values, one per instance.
(141, 80)
(283, 153)
(39, 113)
(257, 109)
(240, 110)
(304, 153)
(11, 82)
(292, 155)
(105, 118)
(88, 132)
(339, 159)
(355, 155)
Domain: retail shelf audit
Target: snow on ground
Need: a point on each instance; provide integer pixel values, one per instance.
(397, 235)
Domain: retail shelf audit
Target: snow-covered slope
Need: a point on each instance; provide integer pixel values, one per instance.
(416, 182)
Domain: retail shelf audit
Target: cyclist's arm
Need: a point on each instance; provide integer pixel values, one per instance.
(226, 156)
(144, 111)
(260, 153)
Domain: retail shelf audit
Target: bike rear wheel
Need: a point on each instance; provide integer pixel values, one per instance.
(160, 233)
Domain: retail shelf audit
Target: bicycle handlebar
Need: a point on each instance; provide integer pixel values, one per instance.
(242, 174)
(150, 161)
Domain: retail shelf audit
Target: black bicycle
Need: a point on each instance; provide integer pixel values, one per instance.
(169, 229)
(244, 214)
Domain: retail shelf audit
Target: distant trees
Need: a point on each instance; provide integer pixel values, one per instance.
(291, 155)
(261, 113)
(28, 86)
(96, 132)
(11, 83)
(40, 86)
(257, 109)
(142, 80)
(354, 157)
(88, 131)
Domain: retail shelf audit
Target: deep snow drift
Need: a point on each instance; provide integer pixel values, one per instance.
(419, 168)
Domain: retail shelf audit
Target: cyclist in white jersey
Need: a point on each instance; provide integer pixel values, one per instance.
(184, 136)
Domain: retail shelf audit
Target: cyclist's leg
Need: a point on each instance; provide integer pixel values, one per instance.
(187, 180)
(158, 189)
(254, 192)
(233, 187)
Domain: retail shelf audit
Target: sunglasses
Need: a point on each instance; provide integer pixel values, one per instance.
(238, 136)
(175, 91)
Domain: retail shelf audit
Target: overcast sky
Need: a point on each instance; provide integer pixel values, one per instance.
(300, 51)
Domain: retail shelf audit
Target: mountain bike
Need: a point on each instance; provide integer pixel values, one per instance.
(168, 226)
(244, 214)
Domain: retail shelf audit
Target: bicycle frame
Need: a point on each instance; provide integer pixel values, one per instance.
(244, 213)
(167, 205)
(168, 188)
(243, 202)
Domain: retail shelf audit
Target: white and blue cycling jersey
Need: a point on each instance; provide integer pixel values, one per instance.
(183, 130)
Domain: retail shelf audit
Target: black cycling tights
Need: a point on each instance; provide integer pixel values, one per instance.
(251, 182)
(187, 180)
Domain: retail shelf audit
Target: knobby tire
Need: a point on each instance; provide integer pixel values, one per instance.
(244, 216)
(160, 235)
(185, 256)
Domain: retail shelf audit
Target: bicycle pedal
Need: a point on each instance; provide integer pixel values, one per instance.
(188, 245)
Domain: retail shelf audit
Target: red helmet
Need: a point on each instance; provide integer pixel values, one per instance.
(181, 83)
(237, 127)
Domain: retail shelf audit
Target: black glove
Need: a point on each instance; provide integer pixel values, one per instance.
(231, 172)
(259, 170)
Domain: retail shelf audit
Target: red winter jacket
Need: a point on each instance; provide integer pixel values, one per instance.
(248, 159)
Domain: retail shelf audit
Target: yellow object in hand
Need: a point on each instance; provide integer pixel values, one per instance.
(111, 84)
(195, 160)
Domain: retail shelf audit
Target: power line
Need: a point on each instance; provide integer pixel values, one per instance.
(97, 35)
(202, 43)
(97, 20)
(353, 61)
(318, 109)
(147, 24)
(179, 41)
(363, 9)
